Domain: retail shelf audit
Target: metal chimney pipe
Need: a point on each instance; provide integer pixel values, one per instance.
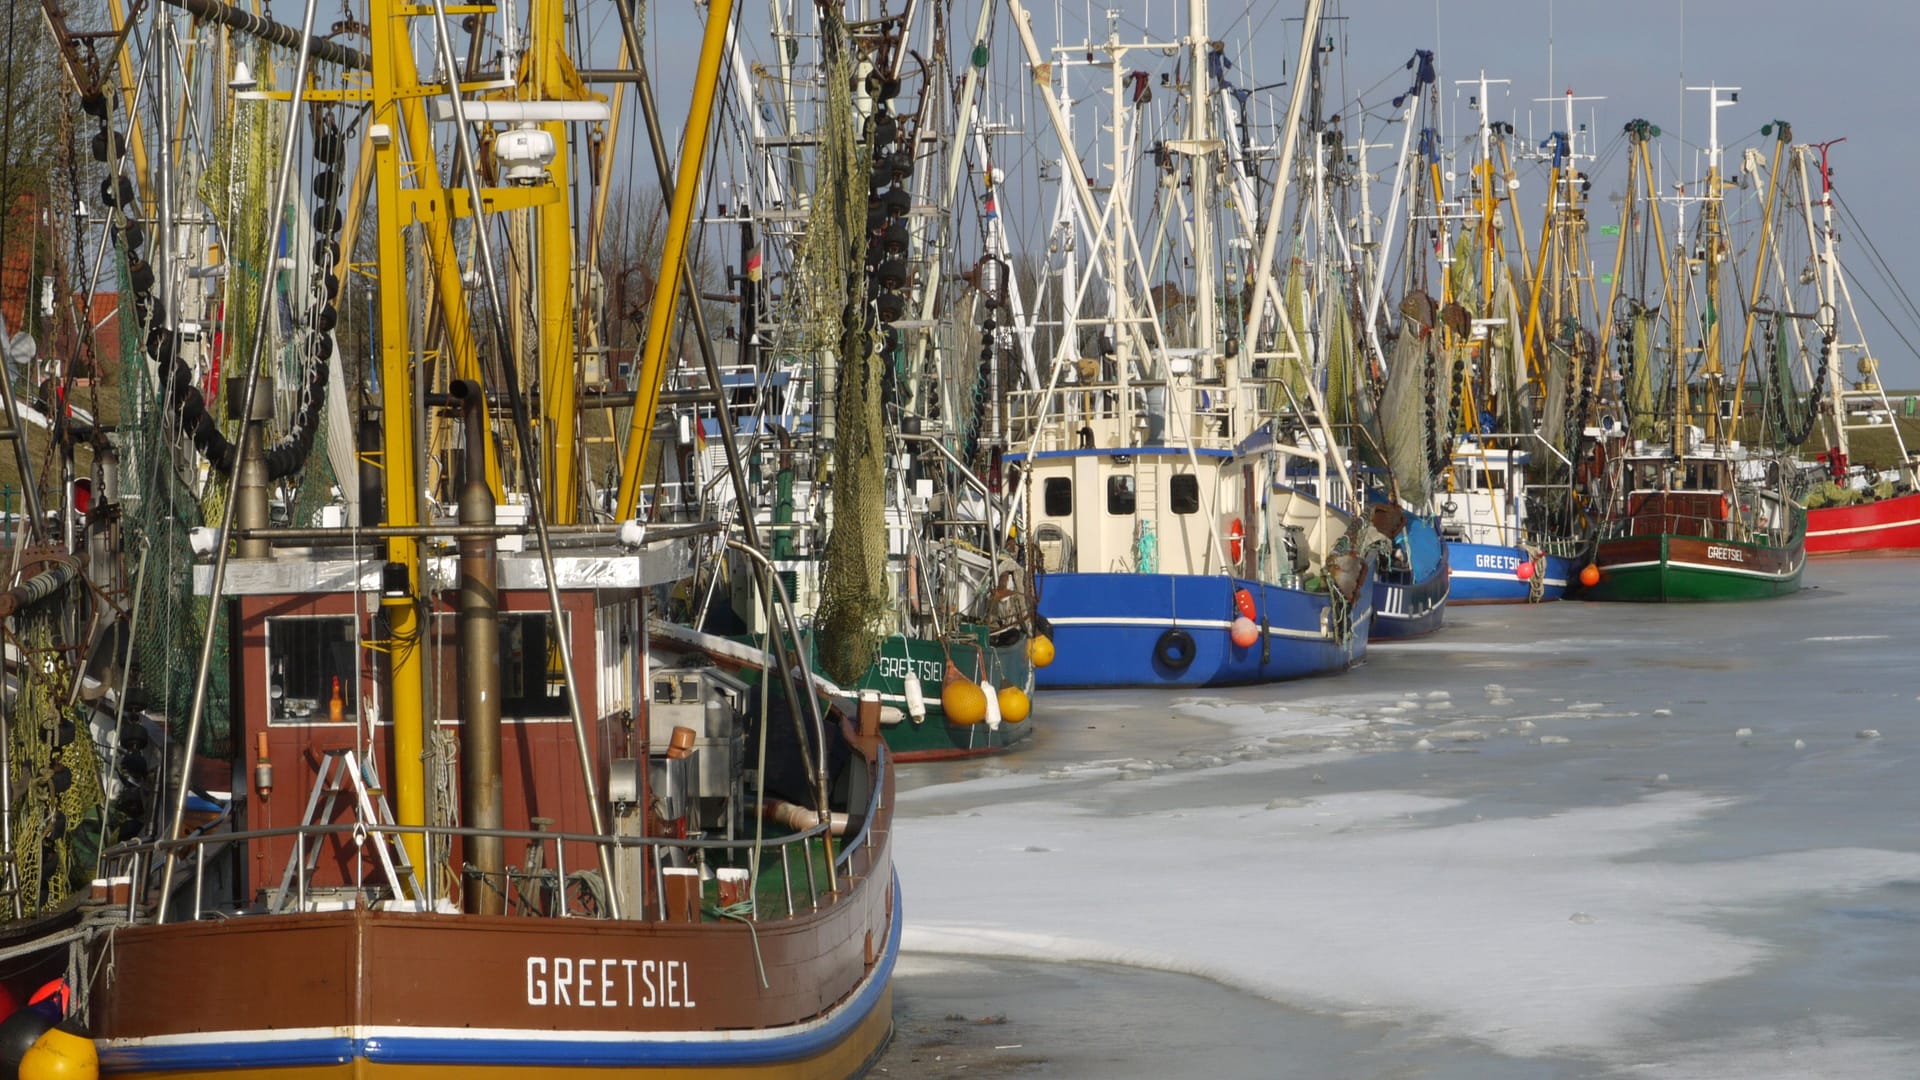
(478, 616)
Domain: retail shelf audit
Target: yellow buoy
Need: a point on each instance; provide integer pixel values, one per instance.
(1015, 706)
(962, 699)
(1039, 650)
(60, 1055)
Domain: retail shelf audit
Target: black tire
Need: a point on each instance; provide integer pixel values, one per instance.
(1174, 651)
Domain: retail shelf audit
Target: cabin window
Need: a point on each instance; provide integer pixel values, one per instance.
(1184, 493)
(1059, 497)
(1493, 480)
(532, 680)
(1120, 494)
(308, 657)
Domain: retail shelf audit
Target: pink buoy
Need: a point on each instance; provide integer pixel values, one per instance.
(1244, 633)
(1524, 571)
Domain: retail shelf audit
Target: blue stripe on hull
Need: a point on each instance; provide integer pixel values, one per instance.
(1483, 574)
(1106, 628)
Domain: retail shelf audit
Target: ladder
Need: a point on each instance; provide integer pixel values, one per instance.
(339, 774)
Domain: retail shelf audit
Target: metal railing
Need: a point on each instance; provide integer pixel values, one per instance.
(138, 863)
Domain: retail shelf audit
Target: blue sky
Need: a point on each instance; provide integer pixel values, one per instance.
(1830, 69)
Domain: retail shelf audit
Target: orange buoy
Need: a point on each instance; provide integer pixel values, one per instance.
(1524, 571)
(1236, 541)
(1590, 575)
(962, 699)
(1244, 633)
(1243, 603)
(1039, 650)
(1015, 706)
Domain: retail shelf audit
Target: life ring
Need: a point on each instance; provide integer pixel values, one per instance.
(1174, 650)
(1236, 541)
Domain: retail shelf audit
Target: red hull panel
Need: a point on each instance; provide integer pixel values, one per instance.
(1884, 526)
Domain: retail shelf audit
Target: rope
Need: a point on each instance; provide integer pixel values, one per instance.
(741, 912)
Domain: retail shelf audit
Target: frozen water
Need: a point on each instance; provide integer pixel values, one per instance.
(1534, 896)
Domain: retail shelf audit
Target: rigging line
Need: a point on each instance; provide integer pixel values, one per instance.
(1875, 304)
(1867, 238)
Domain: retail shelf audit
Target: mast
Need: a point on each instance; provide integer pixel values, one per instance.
(1713, 245)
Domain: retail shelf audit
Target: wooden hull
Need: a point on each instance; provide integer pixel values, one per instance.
(1669, 567)
(1888, 525)
(412, 1011)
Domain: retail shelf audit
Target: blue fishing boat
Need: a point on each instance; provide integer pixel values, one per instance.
(1412, 583)
(1497, 551)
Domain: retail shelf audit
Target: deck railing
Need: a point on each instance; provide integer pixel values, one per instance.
(138, 864)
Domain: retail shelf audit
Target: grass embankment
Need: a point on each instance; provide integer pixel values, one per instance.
(101, 399)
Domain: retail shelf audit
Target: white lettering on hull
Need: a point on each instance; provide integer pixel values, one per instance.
(1726, 554)
(1496, 562)
(899, 667)
(595, 982)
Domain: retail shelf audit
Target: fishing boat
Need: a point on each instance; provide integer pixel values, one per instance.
(1186, 530)
(875, 506)
(1507, 502)
(1853, 508)
(1695, 513)
(436, 783)
(1489, 529)
(1409, 571)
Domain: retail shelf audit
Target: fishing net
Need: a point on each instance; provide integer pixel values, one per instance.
(53, 769)
(854, 597)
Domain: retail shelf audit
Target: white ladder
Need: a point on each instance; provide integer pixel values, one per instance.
(339, 774)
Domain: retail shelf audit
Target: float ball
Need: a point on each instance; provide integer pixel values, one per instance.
(1524, 571)
(963, 701)
(1590, 575)
(1014, 704)
(61, 1054)
(1040, 651)
(18, 1033)
(1244, 632)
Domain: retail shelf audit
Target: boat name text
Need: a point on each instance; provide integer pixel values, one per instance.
(1496, 562)
(1726, 554)
(899, 667)
(591, 982)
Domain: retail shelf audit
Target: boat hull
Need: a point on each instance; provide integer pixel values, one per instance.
(407, 967)
(932, 737)
(1409, 609)
(1887, 525)
(1109, 630)
(1484, 574)
(1669, 567)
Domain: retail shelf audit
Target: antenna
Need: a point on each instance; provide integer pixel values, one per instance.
(1716, 103)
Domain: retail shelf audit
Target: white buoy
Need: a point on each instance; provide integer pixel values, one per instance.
(916, 701)
(993, 705)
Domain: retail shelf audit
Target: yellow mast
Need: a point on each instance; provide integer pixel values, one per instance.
(401, 142)
(551, 76)
(1783, 138)
(666, 301)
